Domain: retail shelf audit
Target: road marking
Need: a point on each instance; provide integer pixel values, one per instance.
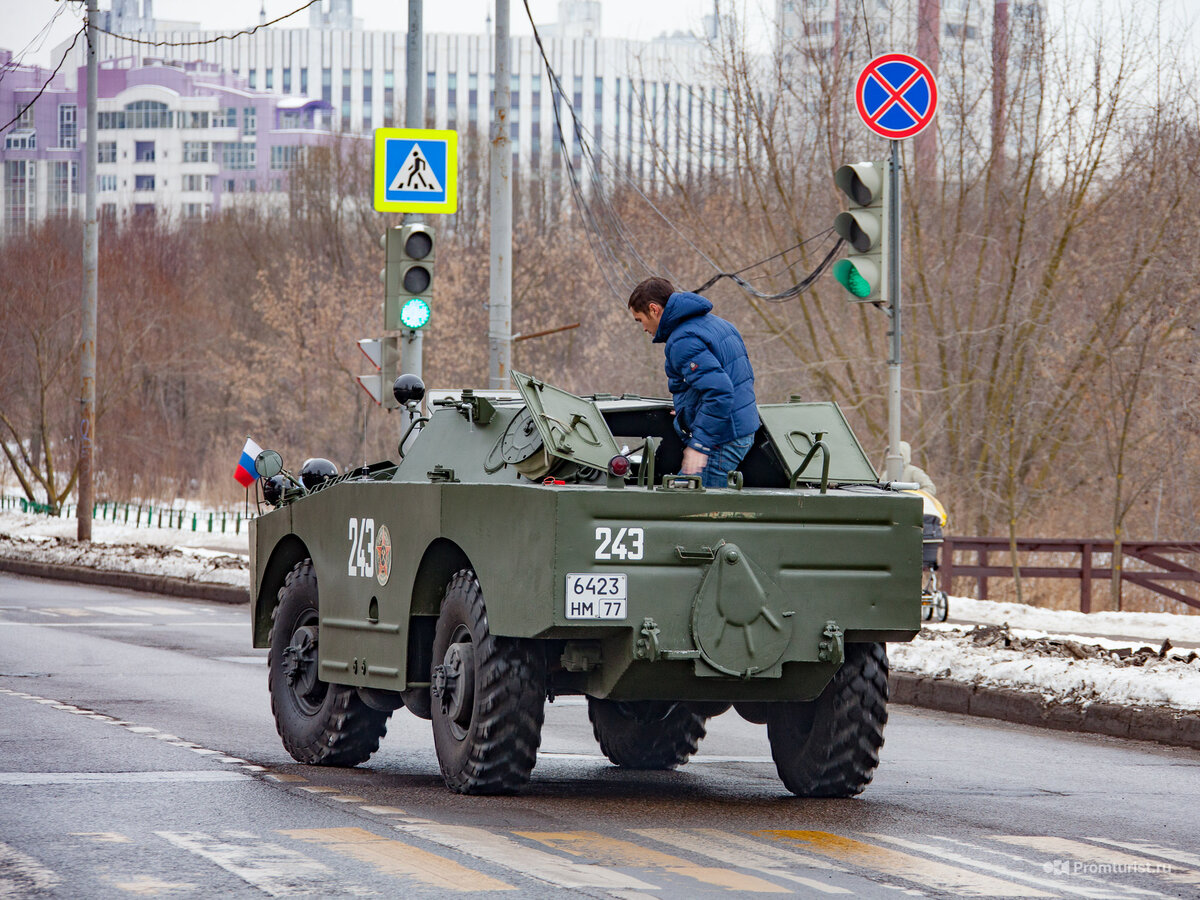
(274, 870)
(35, 779)
(1095, 893)
(145, 884)
(1179, 856)
(321, 790)
(1089, 859)
(284, 777)
(103, 837)
(384, 811)
(21, 875)
(537, 864)
(398, 858)
(119, 610)
(717, 845)
(927, 873)
(695, 760)
(615, 852)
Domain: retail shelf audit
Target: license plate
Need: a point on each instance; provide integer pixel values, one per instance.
(597, 596)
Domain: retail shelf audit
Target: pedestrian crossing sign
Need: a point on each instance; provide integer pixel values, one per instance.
(416, 170)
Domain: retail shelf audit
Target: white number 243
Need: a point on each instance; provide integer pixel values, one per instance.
(362, 548)
(615, 545)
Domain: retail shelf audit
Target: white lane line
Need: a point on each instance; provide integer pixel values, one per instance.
(1088, 859)
(36, 779)
(119, 610)
(1179, 856)
(694, 761)
(23, 876)
(536, 864)
(716, 845)
(1095, 893)
(275, 870)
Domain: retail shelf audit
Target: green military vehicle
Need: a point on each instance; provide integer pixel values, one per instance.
(529, 546)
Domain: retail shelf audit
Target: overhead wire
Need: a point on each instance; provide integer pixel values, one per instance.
(46, 83)
(213, 40)
(40, 39)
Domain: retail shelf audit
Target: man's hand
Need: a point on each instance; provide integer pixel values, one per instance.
(693, 461)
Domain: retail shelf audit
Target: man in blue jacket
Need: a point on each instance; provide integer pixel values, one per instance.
(709, 374)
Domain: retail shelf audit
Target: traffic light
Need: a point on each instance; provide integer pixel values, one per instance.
(864, 227)
(384, 354)
(408, 278)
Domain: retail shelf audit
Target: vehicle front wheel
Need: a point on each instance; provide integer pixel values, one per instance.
(829, 747)
(320, 723)
(646, 734)
(488, 697)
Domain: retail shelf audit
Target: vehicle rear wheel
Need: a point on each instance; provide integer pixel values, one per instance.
(488, 697)
(941, 606)
(320, 723)
(829, 747)
(646, 734)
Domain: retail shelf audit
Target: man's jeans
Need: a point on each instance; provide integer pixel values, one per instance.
(723, 460)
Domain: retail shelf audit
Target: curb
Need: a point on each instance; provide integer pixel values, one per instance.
(1177, 728)
(133, 581)
(1165, 726)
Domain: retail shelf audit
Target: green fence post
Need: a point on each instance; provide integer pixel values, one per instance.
(193, 521)
(210, 520)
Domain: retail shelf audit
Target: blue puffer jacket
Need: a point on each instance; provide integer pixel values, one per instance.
(708, 372)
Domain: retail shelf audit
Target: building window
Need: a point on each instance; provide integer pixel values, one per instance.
(430, 95)
(68, 129)
(473, 99)
(24, 114)
(249, 120)
(195, 151)
(197, 182)
(389, 99)
(286, 157)
(108, 212)
(20, 140)
(143, 182)
(193, 120)
(239, 156)
(107, 151)
(270, 85)
(106, 182)
(229, 186)
(225, 118)
(147, 114)
(304, 81)
(110, 121)
(20, 179)
(254, 79)
(143, 151)
(62, 187)
(196, 212)
(327, 85)
(287, 81)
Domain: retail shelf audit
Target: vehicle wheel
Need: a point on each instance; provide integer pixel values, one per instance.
(647, 734)
(941, 606)
(488, 697)
(320, 723)
(926, 606)
(829, 747)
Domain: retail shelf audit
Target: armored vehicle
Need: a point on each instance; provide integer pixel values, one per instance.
(530, 546)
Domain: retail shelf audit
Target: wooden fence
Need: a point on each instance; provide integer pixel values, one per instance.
(1155, 568)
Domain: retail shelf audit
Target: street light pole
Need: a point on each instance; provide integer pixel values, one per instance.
(91, 257)
(500, 188)
(414, 117)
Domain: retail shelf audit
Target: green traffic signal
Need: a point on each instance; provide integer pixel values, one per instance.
(408, 298)
(415, 314)
(863, 226)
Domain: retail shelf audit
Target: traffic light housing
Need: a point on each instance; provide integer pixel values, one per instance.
(408, 277)
(863, 226)
(384, 354)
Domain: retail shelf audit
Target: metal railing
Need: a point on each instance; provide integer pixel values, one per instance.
(1156, 572)
(141, 515)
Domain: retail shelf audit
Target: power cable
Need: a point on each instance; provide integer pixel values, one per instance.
(46, 84)
(220, 37)
(40, 39)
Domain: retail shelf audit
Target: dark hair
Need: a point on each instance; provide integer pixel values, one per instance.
(652, 290)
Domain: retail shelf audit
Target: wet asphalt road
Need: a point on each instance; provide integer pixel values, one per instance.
(138, 757)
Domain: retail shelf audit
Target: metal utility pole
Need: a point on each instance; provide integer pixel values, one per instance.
(500, 282)
(895, 462)
(414, 117)
(91, 257)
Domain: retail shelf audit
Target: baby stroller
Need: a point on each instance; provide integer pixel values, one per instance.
(934, 603)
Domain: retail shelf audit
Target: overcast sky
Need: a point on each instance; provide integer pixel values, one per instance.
(23, 20)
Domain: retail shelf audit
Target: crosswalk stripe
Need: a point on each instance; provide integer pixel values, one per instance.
(119, 610)
(1079, 890)
(718, 845)
(616, 852)
(56, 611)
(1103, 860)
(274, 870)
(1179, 856)
(23, 876)
(903, 865)
(398, 858)
(536, 864)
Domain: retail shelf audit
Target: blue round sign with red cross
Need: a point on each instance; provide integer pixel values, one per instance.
(896, 95)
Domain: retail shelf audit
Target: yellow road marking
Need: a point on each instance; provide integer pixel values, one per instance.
(348, 798)
(723, 847)
(614, 852)
(321, 790)
(903, 865)
(384, 810)
(285, 778)
(398, 858)
(1095, 860)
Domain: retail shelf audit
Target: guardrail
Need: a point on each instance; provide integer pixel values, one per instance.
(1156, 570)
(141, 515)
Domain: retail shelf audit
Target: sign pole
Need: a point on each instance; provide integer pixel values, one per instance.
(500, 286)
(91, 263)
(414, 117)
(895, 462)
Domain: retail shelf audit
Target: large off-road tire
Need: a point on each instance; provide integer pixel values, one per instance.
(646, 734)
(489, 697)
(829, 747)
(320, 723)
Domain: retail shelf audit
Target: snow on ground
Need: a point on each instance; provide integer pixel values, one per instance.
(1065, 656)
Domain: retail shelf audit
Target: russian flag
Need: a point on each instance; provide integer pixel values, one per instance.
(244, 473)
